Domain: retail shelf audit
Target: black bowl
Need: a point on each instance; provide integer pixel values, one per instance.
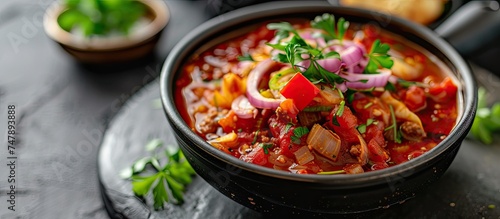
(271, 191)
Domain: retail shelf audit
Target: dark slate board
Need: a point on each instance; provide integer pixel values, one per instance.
(465, 191)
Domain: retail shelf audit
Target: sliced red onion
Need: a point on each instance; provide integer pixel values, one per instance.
(342, 87)
(352, 55)
(366, 81)
(310, 35)
(242, 108)
(214, 61)
(360, 67)
(253, 94)
(331, 64)
(393, 79)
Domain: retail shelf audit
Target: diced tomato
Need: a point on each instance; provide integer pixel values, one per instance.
(347, 119)
(288, 106)
(346, 127)
(231, 122)
(415, 154)
(300, 90)
(279, 130)
(227, 122)
(444, 91)
(379, 166)
(415, 98)
(257, 156)
(376, 153)
(369, 108)
(376, 132)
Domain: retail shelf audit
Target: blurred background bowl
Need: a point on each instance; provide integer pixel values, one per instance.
(114, 49)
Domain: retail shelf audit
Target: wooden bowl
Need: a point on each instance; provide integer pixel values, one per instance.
(106, 50)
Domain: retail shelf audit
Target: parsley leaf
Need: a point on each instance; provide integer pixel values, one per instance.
(266, 147)
(283, 29)
(298, 133)
(378, 57)
(326, 22)
(176, 174)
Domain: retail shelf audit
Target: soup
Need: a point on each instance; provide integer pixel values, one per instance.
(318, 97)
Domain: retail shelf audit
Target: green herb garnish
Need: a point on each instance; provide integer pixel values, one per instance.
(332, 172)
(266, 147)
(394, 126)
(167, 181)
(288, 126)
(326, 22)
(378, 57)
(246, 57)
(256, 134)
(318, 109)
(487, 120)
(298, 133)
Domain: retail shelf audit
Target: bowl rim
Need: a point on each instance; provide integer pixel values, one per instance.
(55, 32)
(175, 57)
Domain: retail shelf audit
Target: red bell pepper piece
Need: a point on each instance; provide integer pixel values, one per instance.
(300, 90)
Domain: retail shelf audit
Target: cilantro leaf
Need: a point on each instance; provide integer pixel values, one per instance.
(378, 57)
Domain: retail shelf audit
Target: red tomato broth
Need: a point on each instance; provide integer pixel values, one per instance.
(438, 118)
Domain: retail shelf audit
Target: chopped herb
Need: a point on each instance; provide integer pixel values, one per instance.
(168, 180)
(341, 108)
(332, 172)
(318, 109)
(362, 128)
(246, 57)
(397, 135)
(369, 121)
(349, 95)
(298, 133)
(390, 87)
(288, 126)
(406, 84)
(335, 121)
(256, 134)
(266, 147)
(378, 57)
(366, 106)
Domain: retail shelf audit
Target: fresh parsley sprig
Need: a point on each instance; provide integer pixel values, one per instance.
(326, 22)
(487, 120)
(378, 57)
(165, 182)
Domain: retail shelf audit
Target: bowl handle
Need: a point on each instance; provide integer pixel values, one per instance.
(472, 27)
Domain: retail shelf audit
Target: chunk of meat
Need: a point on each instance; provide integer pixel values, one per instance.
(402, 112)
(411, 131)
